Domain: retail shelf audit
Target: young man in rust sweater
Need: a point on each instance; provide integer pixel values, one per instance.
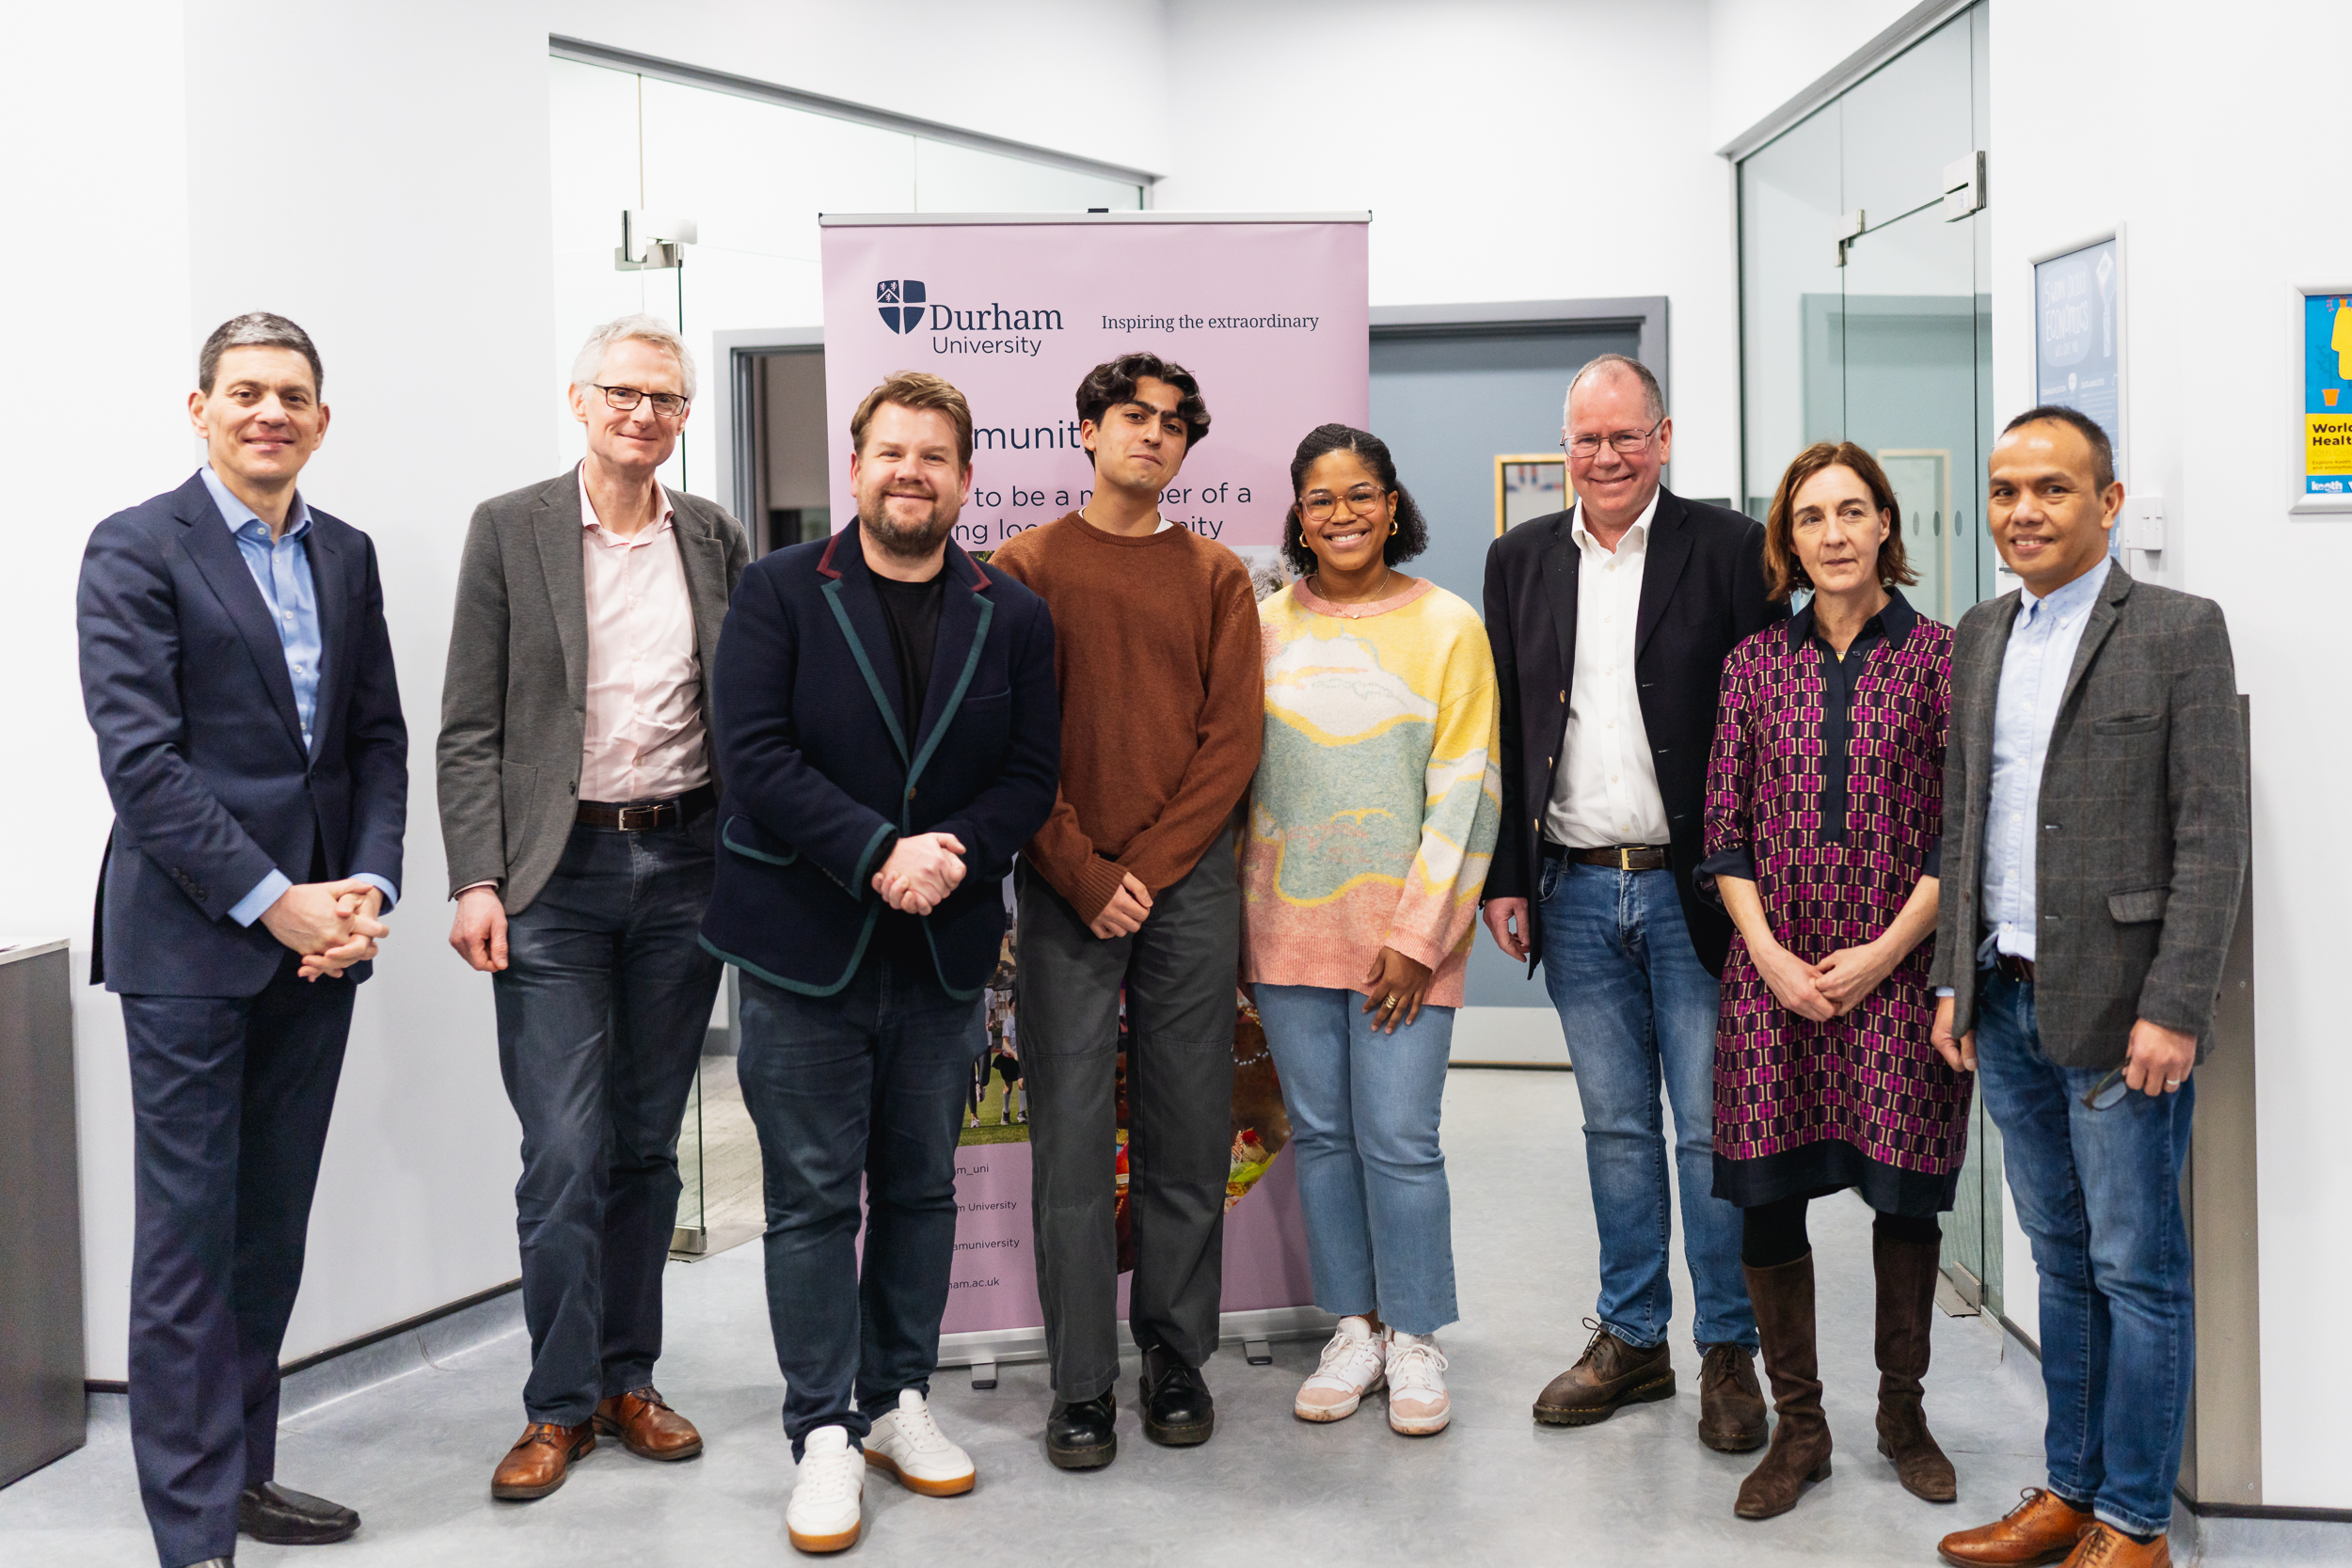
(1130, 885)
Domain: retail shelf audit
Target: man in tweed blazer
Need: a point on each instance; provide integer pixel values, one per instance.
(2094, 850)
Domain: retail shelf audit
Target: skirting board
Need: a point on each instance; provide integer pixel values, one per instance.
(1509, 1036)
(1234, 1328)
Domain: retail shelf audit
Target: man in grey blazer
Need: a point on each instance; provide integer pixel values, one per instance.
(577, 796)
(2094, 852)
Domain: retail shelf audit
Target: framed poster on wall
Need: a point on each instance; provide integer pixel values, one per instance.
(2323, 386)
(1529, 486)
(2078, 341)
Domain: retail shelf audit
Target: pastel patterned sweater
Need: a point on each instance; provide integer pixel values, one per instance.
(1377, 799)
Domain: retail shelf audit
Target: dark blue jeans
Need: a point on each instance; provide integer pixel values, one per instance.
(863, 1089)
(230, 1100)
(602, 1010)
(2099, 1196)
(1639, 1011)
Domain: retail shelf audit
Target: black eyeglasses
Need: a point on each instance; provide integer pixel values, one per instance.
(1628, 443)
(668, 405)
(2108, 1091)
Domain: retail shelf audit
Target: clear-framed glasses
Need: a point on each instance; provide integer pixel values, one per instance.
(668, 405)
(1628, 443)
(1321, 506)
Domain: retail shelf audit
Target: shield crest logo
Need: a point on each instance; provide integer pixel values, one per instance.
(901, 303)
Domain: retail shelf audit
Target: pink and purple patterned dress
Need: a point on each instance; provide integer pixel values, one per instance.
(1826, 787)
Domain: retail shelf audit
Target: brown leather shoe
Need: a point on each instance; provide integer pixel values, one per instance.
(646, 1425)
(2043, 1527)
(2105, 1547)
(1906, 1311)
(1783, 1298)
(1610, 1373)
(1731, 1404)
(540, 1459)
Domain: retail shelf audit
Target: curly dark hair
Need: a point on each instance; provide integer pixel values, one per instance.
(1112, 383)
(1406, 539)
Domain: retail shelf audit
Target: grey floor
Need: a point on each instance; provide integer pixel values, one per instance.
(414, 1454)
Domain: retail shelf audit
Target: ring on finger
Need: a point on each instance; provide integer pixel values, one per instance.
(1388, 1004)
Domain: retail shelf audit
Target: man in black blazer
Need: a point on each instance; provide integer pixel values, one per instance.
(889, 735)
(237, 671)
(1610, 623)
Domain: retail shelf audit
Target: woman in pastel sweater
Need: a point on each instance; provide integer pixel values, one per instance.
(1371, 823)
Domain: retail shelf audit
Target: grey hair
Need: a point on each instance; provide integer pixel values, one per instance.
(592, 353)
(254, 329)
(1652, 397)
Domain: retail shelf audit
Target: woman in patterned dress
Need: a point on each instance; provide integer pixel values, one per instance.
(1824, 815)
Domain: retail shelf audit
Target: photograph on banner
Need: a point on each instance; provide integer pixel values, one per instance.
(2327, 394)
(2078, 349)
(1272, 318)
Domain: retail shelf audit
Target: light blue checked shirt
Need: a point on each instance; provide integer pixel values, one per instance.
(281, 570)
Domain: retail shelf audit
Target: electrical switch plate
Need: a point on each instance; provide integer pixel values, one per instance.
(2142, 522)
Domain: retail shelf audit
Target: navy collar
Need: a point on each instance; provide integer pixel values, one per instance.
(1893, 623)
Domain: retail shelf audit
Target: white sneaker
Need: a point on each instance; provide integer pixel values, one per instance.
(1417, 1399)
(1350, 1368)
(823, 1514)
(908, 1442)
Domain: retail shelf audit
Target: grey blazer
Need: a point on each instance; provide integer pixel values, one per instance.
(515, 695)
(2143, 850)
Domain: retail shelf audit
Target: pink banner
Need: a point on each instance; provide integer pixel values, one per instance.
(1271, 316)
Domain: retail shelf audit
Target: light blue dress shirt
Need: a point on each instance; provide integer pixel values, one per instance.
(281, 570)
(2040, 655)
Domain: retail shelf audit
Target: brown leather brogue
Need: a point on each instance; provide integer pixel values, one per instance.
(2105, 1547)
(1731, 1401)
(646, 1425)
(540, 1459)
(1608, 1376)
(2042, 1528)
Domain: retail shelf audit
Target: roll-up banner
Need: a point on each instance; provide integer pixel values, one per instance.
(1271, 314)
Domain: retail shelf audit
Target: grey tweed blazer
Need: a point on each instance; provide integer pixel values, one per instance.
(2142, 846)
(515, 695)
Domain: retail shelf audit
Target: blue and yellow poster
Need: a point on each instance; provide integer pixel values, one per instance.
(2327, 394)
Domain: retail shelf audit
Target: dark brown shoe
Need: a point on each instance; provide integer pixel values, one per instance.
(540, 1459)
(1610, 1374)
(646, 1425)
(1731, 1405)
(2045, 1528)
(1783, 1298)
(1906, 1281)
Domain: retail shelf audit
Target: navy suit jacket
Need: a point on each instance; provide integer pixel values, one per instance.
(184, 681)
(822, 775)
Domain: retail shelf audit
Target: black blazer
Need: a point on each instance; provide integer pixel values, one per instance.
(1702, 592)
(820, 776)
(184, 681)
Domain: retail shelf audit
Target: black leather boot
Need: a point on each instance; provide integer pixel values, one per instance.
(1176, 1409)
(1081, 1436)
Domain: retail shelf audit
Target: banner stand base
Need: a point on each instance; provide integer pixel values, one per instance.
(985, 1349)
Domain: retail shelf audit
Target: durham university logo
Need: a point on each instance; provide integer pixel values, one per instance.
(900, 303)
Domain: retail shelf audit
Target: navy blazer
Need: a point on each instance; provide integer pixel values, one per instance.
(184, 681)
(820, 773)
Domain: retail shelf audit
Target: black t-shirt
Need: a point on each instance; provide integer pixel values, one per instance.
(912, 610)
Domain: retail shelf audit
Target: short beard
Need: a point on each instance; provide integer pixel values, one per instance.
(907, 543)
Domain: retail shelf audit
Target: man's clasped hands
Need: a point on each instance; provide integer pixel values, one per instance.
(332, 925)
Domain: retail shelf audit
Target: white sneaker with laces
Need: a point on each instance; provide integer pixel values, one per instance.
(823, 1514)
(906, 1442)
(1417, 1398)
(1350, 1368)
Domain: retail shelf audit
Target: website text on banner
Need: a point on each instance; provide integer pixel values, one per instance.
(1272, 316)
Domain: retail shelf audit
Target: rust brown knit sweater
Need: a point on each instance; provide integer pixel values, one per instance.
(1163, 701)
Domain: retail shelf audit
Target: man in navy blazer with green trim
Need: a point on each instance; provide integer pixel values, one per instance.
(889, 734)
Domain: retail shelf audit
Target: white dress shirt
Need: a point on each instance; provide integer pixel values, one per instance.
(1604, 789)
(643, 738)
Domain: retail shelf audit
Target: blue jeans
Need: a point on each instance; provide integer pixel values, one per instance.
(863, 1089)
(1363, 1109)
(2099, 1195)
(602, 1010)
(1638, 1012)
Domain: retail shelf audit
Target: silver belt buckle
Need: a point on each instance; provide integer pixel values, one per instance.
(650, 817)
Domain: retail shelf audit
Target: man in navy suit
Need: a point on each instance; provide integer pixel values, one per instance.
(237, 669)
(889, 736)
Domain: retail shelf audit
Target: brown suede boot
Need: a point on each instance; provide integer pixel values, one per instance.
(1783, 1298)
(1906, 1279)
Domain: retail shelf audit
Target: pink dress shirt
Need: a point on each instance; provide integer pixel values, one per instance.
(645, 737)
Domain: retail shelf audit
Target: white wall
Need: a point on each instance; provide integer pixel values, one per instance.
(1507, 149)
(2228, 211)
(1765, 52)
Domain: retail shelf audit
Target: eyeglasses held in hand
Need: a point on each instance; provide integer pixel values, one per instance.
(1320, 506)
(1628, 443)
(668, 405)
(2108, 1091)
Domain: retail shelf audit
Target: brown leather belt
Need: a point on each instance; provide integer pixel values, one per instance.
(1617, 857)
(637, 817)
(2013, 969)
